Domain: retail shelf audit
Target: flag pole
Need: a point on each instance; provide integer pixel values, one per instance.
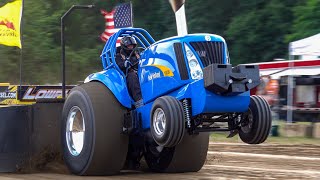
(63, 53)
(21, 52)
(131, 13)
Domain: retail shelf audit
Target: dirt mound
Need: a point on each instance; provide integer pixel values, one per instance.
(48, 160)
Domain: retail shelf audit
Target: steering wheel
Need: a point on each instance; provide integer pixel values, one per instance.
(139, 49)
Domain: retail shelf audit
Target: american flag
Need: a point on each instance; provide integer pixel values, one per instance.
(119, 17)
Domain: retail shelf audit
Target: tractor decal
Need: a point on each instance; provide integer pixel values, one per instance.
(165, 70)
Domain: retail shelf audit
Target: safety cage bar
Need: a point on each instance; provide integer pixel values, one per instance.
(144, 39)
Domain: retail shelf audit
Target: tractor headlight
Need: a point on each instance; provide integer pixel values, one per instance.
(194, 66)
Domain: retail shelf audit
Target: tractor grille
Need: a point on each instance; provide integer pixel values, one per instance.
(209, 52)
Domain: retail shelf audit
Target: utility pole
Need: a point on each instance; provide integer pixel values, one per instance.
(63, 44)
(290, 89)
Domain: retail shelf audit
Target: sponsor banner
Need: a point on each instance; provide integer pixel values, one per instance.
(32, 93)
(7, 93)
(13, 94)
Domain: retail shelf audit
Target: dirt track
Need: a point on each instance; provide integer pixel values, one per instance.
(224, 161)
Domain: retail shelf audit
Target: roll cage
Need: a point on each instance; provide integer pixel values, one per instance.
(143, 38)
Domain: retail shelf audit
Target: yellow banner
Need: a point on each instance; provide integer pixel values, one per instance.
(10, 17)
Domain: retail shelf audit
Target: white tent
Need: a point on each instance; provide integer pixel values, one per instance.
(307, 48)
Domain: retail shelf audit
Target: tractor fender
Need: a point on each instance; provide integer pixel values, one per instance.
(113, 80)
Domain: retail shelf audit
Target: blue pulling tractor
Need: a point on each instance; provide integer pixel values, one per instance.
(187, 84)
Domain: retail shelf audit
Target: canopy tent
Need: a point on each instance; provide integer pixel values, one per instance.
(307, 48)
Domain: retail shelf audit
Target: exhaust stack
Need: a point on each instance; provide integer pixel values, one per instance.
(179, 10)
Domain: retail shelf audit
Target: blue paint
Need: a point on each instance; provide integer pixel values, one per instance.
(159, 75)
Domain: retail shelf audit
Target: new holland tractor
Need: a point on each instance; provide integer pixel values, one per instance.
(188, 86)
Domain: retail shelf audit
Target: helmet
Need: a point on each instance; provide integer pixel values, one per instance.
(126, 41)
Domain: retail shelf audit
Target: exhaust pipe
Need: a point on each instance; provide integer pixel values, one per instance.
(179, 10)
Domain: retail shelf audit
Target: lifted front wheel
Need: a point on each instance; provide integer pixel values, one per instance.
(256, 122)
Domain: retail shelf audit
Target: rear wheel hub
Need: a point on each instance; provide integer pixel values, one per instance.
(75, 131)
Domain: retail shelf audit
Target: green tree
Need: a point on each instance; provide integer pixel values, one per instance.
(255, 31)
(258, 34)
(306, 20)
(210, 16)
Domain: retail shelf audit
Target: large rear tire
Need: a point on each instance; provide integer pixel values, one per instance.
(91, 131)
(257, 124)
(188, 156)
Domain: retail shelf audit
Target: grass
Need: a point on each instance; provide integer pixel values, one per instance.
(221, 137)
(280, 139)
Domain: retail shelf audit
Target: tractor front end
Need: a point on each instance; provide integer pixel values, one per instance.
(196, 70)
(189, 89)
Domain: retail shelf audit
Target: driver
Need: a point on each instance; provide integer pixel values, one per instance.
(126, 58)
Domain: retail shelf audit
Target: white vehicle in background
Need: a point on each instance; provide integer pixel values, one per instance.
(305, 86)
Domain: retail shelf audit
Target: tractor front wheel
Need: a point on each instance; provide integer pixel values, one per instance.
(167, 121)
(256, 123)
